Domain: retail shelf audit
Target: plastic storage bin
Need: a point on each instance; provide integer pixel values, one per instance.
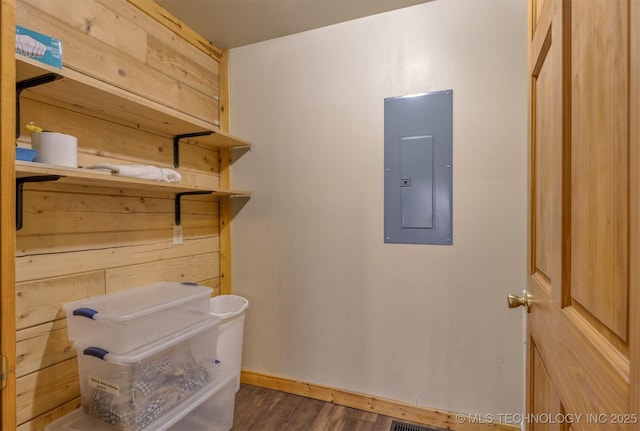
(210, 409)
(230, 309)
(131, 390)
(122, 321)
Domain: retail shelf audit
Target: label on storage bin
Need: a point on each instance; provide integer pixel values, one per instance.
(104, 385)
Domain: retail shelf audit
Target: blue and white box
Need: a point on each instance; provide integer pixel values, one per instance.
(39, 46)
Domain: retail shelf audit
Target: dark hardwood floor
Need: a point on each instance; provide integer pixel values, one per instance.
(260, 409)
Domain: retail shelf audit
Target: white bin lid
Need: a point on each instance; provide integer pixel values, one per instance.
(84, 346)
(137, 302)
(78, 420)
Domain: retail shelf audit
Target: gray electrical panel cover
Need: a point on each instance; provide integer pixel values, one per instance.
(418, 164)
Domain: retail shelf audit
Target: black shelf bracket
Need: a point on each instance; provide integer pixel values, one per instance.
(176, 144)
(28, 83)
(19, 192)
(178, 208)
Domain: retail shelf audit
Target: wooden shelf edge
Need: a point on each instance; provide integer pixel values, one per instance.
(91, 177)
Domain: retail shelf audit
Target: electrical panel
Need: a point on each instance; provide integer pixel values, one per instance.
(418, 165)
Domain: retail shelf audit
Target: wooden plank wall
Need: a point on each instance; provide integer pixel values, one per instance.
(81, 241)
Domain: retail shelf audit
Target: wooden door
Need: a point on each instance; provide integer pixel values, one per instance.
(7, 211)
(584, 193)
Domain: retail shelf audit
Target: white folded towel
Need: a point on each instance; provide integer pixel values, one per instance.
(144, 172)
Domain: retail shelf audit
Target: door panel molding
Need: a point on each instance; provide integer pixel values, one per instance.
(634, 205)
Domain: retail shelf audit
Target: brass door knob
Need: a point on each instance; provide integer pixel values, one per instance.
(515, 301)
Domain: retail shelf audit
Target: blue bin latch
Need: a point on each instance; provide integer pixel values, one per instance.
(85, 312)
(98, 352)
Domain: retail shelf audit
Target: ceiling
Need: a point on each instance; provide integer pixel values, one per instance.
(234, 23)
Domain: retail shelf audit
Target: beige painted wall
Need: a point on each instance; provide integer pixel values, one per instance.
(330, 302)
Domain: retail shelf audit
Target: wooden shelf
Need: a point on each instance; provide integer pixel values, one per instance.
(77, 92)
(92, 177)
(81, 93)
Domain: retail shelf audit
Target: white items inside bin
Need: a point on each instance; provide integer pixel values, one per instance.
(210, 409)
(131, 390)
(123, 321)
